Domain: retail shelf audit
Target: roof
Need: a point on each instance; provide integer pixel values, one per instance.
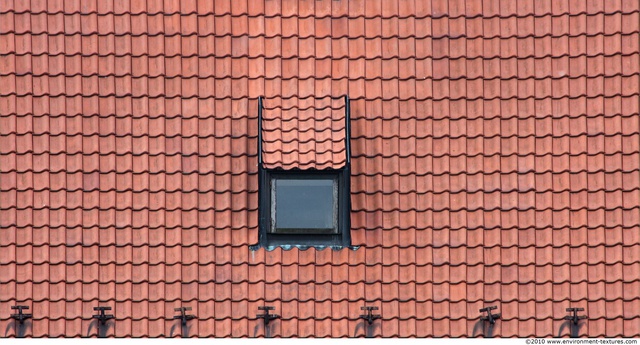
(304, 132)
(495, 161)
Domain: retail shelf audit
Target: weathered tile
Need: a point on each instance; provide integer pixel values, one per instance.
(447, 188)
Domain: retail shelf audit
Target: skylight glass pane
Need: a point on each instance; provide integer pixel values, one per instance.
(304, 204)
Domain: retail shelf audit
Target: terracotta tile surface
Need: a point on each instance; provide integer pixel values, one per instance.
(304, 133)
(495, 161)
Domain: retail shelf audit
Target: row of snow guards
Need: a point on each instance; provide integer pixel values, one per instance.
(21, 320)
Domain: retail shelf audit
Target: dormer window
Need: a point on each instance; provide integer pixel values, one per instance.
(305, 206)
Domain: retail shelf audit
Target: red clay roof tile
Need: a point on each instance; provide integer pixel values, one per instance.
(136, 122)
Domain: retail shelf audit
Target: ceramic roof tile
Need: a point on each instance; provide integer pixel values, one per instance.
(494, 152)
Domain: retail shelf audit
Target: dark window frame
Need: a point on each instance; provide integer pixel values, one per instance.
(340, 239)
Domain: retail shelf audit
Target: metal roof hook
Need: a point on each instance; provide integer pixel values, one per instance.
(491, 318)
(102, 317)
(20, 316)
(369, 316)
(266, 316)
(183, 317)
(575, 319)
